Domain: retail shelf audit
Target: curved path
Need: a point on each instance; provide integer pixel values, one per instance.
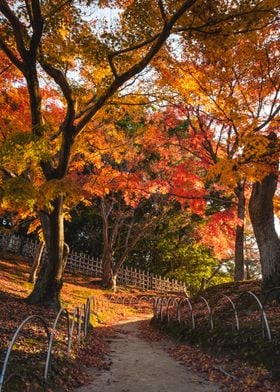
(141, 366)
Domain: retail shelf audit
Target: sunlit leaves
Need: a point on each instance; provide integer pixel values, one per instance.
(22, 151)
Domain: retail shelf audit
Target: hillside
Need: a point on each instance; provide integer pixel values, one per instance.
(237, 361)
(31, 345)
(237, 343)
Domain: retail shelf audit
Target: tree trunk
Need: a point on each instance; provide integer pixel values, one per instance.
(114, 283)
(36, 262)
(47, 288)
(239, 234)
(262, 218)
(107, 271)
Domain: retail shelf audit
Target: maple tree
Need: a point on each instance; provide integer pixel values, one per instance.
(33, 34)
(133, 177)
(262, 216)
(229, 108)
(48, 43)
(174, 250)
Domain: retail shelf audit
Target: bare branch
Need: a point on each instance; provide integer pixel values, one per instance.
(62, 82)
(134, 47)
(218, 21)
(29, 11)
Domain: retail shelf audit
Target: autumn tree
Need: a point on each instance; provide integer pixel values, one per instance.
(32, 37)
(262, 216)
(230, 97)
(173, 249)
(55, 44)
(133, 176)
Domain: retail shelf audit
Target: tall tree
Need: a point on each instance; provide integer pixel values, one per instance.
(231, 93)
(262, 217)
(43, 41)
(32, 36)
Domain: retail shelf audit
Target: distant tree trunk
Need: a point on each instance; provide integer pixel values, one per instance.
(5, 248)
(66, 251)
(107, 271)
(248, 274)
(47, 288)
(119, 238)
(262, 218)
(36, 262)
(21, 246)
(109, 237)
(239, 234)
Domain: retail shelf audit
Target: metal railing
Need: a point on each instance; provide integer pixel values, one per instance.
(163, 310)
(81, 315)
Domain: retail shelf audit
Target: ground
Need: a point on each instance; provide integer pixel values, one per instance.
(138, 365)
(134, 354)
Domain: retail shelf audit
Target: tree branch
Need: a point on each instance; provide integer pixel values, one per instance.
(138, 67)
(162, 10)
(12, 57)
(38, 25)
(62, 82)
(17, 26)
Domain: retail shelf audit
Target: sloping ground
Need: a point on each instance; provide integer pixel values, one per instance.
(29, 353)
(246, 357)
(239, 364)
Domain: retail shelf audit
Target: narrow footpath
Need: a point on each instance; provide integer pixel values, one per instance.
(141, 366)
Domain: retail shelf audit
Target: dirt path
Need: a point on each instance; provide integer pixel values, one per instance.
(140, 366)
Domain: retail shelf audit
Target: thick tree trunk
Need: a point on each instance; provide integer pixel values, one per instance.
(262, 218)
(49, 283)
(36, 262)
(239, 234)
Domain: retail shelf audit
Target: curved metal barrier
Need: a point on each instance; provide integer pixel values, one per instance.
(162, 306)
(80, 314)
(143, 298)
(133, 298)
(14, 338)
(237, 325)
(209, 310)
(54, 327)
(126, 299)
(264, 321)
(163, 302)
(165, 308)
(178, 316)
(229, 301)
(156, 307)
(171, 301)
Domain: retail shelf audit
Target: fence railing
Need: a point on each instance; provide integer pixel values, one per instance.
(186, 311)
(77, 327)
(88, 265)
